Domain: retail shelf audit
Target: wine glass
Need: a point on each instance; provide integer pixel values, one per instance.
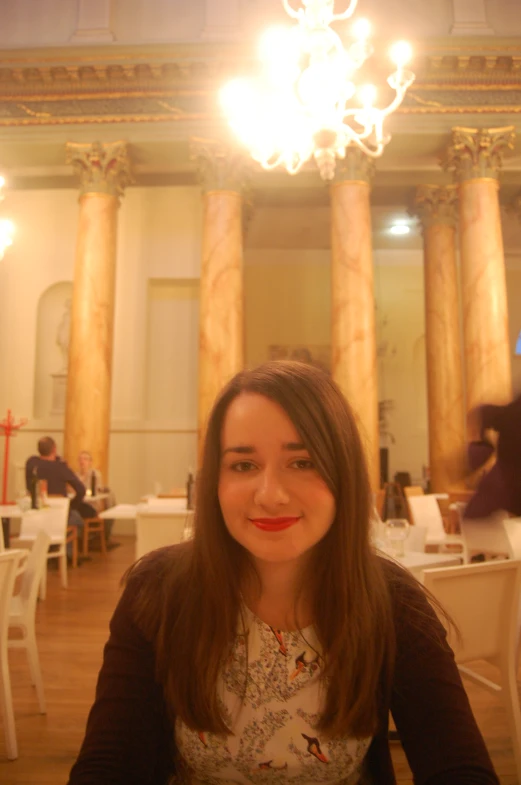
(396, 532)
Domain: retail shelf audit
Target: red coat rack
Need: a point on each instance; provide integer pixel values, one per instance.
(8, 427)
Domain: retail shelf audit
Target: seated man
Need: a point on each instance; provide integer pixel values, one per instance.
(48, 466)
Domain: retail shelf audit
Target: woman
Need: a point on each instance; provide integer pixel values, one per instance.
(87, 471)
(272, 646)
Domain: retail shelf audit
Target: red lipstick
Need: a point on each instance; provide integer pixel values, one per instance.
(274, 524)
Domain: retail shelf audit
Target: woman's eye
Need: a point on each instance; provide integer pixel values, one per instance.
(303, 463)
(242, 466)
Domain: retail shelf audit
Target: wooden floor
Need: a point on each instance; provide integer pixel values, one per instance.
(72, 626)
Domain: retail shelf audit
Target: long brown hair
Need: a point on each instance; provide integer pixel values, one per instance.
(195, 623)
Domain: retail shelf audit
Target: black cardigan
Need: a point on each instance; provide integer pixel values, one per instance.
(129, 738)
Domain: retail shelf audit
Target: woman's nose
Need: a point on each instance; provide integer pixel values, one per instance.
(270, 489)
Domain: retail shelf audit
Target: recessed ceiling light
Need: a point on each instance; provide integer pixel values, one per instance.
(399, 229)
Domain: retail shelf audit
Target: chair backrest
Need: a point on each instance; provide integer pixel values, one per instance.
(170, 502)
(36, 563)
(52, 520)
(483, 600)
(485, 535)
(413, 490)
(425, 511)
(155, 529)
(512, 528)
(59, 503)
(8, 565)
(175, 493)
(460, 496)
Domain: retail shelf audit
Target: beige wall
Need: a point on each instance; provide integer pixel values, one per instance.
(287, 297)
(287, 300)
(159, 239)
(288, 304)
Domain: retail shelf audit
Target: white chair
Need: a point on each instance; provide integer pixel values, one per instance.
(157, 528)
(484, 601)
(486, 536)
(425, 511)
(22, 611)
(512, 527)
(52, 519)
(9, 561)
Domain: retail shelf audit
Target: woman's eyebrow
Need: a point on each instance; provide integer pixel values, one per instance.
(242, 449)
(246, 449)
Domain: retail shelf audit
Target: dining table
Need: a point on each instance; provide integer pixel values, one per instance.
(418, 561)
(159, 521)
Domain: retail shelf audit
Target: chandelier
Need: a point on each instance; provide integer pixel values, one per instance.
(302, 107)
(6, 226)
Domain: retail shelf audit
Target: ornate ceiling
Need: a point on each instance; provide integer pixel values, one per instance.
(159, 97)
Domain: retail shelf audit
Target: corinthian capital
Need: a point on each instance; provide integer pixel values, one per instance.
(478, 152)
(436, 204)
(355, 167)
(102, 168)
(220, 167)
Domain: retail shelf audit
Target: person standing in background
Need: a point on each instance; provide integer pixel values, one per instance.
(500, 487)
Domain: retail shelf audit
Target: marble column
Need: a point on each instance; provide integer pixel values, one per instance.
(222, 173)
(437, 209)
(104, 172)
(475, 158)
(353, 324)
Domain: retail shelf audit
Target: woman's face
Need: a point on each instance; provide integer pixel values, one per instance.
(85, 462)
(273, 501)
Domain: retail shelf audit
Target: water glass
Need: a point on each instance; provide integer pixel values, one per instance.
(396, 532)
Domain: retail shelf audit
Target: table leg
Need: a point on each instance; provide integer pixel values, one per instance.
(6, 531)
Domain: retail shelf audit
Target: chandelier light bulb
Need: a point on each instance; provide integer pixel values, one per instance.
(7, 230)
(300, 109)
(401, 53)
(362, 29)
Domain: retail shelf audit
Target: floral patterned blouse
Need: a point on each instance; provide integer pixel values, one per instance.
(274, 724)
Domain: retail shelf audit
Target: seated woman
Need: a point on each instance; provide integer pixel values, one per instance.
(92, 478)
(87, 473)
(272, 646)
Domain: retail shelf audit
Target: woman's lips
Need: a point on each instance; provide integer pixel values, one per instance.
(274, 524)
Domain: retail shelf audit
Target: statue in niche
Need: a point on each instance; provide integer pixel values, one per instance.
(63, 335)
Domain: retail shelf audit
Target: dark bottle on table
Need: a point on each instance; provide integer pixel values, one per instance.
(33, 490)
(93, 488)
(190, 484)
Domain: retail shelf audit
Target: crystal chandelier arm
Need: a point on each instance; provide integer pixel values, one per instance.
(291, 11)
(347, 13)
(401, 88)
